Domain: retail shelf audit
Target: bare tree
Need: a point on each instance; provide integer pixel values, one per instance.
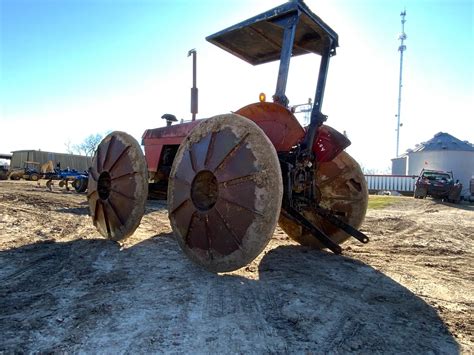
(366, 171)
(89, 145)
(69, 147)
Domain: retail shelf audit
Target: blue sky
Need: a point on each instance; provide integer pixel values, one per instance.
(71, 68)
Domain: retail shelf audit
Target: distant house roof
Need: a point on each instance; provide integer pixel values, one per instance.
(444, 141)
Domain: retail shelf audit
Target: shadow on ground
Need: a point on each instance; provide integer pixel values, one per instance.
(91, 296)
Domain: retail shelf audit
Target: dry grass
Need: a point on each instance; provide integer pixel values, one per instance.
(380, 202)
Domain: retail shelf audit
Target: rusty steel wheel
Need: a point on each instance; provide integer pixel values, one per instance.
(343, 190)
(118, 186)
(224, 193)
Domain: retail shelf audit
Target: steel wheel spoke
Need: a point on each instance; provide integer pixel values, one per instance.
(114, 210)
(229, 228)
(185, 170)
(181, 181)
(94, 213)
(107, 154)
(210, 149)
(237, 146)
(125, 150)
(189, 226)
(93, 192)
(106, 218)
(123, 195)
(180, 205)
(209, 240)
(124, 175)
(200, 151)
(197, 233)
(237, 180)
(222, 142)
(192, 160)
(241, 206)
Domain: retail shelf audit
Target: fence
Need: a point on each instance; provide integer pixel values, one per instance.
(404, 184)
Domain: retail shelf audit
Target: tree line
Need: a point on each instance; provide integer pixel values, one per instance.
(87, 147)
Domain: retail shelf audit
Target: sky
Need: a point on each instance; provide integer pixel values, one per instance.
(72, 68)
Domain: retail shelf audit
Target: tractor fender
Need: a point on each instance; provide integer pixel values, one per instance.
(278, 123)
(284, 131)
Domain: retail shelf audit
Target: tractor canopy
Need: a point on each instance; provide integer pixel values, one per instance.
(259, 39)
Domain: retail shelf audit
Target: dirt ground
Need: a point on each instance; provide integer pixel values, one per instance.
(66, 289)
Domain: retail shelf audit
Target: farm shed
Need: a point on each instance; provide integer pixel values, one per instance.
(442, 152)
(5, 156)
(72, 161)
(4, 166)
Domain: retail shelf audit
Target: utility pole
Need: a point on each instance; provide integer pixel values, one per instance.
(401, 49)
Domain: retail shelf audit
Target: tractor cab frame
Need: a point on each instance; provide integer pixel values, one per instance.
(283, 32)
(289, 30)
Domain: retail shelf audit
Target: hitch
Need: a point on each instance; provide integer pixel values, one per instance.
(297, 217)
(332, 218)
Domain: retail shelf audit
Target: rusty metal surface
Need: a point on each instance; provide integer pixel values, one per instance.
(260, 39)
(342, 189)
(278, 123)
(117, 188)
(177, 130)
(329, 143)
(152, 156)
(154, 139)
(224, 193)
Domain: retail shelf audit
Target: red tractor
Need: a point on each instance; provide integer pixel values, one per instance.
(231, 178)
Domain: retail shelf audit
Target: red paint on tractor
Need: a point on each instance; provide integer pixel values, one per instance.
(329, 143)
(278, 123)
(284, 130)
(154, 139)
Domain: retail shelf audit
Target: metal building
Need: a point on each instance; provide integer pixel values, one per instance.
(442, 152)
(72, 161)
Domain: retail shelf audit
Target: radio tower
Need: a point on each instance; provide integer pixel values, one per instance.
(402, 49)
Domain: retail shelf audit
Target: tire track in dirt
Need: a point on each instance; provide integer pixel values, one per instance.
(400, 293)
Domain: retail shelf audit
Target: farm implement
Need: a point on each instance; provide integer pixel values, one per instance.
(231, 178)
(78, 179)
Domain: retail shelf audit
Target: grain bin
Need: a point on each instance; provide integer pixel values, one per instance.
(444, 152)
